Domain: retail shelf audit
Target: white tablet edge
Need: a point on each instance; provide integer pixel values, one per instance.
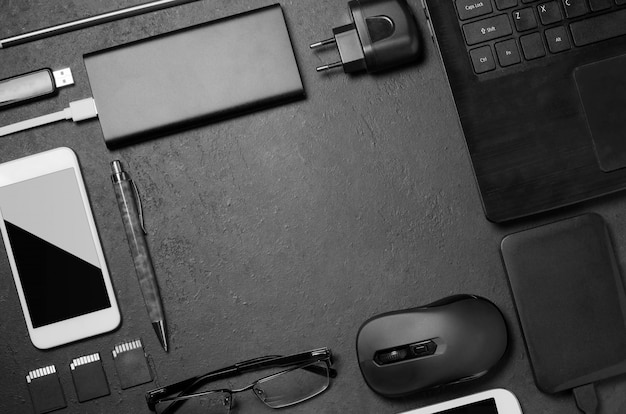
(506, 403)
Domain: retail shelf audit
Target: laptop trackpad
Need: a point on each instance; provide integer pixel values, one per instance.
(602, 88)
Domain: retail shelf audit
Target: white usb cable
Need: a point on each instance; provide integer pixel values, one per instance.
(77, 111)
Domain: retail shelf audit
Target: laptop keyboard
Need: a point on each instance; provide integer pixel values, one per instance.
(507, 33)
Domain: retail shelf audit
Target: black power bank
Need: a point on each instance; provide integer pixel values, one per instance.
(177, 80)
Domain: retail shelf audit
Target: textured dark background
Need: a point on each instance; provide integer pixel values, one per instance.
(282, 230)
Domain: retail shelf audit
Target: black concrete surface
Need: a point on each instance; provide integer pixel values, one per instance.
(281, 230)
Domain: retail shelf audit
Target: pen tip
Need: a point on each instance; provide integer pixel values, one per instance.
(159, 328)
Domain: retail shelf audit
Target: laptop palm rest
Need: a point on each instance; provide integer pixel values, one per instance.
(602, 89)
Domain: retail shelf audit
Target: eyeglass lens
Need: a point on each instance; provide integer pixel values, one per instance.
(293, 386)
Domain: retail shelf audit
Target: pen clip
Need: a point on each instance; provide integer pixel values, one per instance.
(138, 199)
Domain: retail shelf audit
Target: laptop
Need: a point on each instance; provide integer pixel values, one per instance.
(540, 89)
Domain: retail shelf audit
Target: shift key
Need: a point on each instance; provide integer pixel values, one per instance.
(487, 29)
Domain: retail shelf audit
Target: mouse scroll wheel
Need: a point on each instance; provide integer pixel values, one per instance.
(392, 356)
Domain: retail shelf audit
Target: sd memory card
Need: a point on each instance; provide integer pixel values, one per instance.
(89, 378)
(131, 364)
(45, 389)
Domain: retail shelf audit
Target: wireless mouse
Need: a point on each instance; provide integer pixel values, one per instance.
(455, 339)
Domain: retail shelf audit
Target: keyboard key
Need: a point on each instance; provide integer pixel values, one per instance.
(528, 1)
(550, 12)
(507, 53)
(472, 8)
(599, 28)
(524, 19)
(597, 5)
(532, 46)
(487, 29)
(575, 8)
(482, 59)
(557, 39)
(505, 4)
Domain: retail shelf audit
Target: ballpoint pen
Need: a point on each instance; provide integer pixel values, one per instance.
(89, 22)
(132, 215)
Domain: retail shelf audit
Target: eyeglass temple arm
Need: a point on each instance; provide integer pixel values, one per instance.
(268, 361)
(278, 361)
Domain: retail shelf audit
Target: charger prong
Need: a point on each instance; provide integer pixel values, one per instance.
(323, 43)
(329, 66)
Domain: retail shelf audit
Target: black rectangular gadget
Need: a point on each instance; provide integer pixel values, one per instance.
(570, 301)
(540, 97)
(177, 80)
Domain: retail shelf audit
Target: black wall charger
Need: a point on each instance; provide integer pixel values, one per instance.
(383, 34)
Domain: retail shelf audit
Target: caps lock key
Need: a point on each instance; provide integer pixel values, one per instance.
(472, 8)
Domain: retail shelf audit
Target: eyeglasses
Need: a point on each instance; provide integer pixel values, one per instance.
(306, 375)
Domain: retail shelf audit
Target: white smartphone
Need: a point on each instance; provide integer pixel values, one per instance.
(496, 401)
(53, 249)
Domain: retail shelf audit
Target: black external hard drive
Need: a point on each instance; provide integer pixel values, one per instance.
(570, 301)
(177, 80)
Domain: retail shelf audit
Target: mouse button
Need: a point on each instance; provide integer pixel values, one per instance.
(397, 379)
(490, 328)
(396, 329)
(482, 335)
(437, 370)
(473, 355)
(373, 336)
(464, 341)
(481, 315)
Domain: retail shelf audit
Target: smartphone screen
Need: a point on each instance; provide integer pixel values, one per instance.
(487, 406)
(53, 247)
